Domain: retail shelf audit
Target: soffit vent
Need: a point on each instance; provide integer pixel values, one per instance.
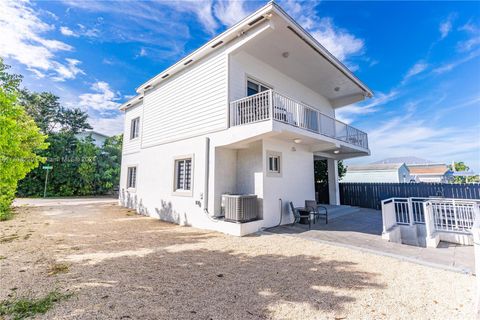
(251, 23)
(165, 75)
(188, 62)
(217, 44)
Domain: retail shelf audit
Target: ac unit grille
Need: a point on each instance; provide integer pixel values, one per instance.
(240, 208)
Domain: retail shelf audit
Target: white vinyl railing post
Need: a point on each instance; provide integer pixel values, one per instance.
(431, 238)
(410, 211)
(271, 106)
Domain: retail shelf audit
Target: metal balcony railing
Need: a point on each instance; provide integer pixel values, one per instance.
(273, 105)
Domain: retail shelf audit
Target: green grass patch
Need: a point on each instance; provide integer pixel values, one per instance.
(21, 308)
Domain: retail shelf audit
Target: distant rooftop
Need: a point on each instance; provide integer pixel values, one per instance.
(428, 169)
(407, 160)
(374, 167)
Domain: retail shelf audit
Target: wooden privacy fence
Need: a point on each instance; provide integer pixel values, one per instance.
(370, 195)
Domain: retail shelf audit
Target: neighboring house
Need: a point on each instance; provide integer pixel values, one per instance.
(381, 172)
(247, 113)
(430, 172)
(98, 138)
(405, 159)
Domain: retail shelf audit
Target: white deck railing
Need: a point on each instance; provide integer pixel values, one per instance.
(448, 219)
(273, 105)
(447, 214)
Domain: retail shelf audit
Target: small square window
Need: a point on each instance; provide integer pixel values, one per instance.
(135, 128)
(132, 177)
(274, 164)
(183, 176)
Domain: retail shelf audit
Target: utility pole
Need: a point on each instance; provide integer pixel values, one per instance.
(48, 168)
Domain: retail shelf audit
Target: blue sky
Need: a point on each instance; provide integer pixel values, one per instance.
(422, 60)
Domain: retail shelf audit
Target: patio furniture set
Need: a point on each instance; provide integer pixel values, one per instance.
(310, 213)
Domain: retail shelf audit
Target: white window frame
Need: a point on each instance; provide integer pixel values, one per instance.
(135, 128)
(129, 178)
(274, 171)
(257, 82)
(182, 191)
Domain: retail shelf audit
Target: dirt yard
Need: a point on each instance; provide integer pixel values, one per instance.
(119, 265)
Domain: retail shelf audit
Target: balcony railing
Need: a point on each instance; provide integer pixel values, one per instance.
(263, 105)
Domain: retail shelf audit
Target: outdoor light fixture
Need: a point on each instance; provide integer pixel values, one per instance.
(285, 54)
(336, 151)
(297, 140)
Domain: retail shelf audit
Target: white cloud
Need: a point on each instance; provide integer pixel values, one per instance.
(445, 27)
(474, 37)
(230, 12)
(452, 65)
(409, 135)
(68, 71)
(21, 39)
(66, 31)
(349, 113)
(103, 98)
(109, 126)
(417, 68)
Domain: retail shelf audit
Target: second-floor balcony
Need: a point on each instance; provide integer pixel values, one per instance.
(272, 105)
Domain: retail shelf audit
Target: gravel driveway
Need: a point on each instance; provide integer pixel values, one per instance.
(124, 266)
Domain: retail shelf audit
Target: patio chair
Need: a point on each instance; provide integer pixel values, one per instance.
(301, 214)
(318, 211)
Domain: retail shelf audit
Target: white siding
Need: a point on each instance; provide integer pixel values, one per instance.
(132, 145)
(190, 104)
(243, 65)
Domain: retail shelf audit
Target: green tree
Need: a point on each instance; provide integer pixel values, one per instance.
(462, 167)
(50, 116)
(109, 158)
(74, 120)
(86, 152)
(20, 139)
(321, 170)
(43, 107)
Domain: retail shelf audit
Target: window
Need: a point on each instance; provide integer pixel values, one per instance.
(254, 87)
(274, 164)
(183, 175)
(132, 177)
(135, 128)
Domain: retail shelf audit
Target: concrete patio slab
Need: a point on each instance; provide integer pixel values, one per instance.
(362, 230)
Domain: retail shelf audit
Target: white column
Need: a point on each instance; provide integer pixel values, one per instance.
(333, 188)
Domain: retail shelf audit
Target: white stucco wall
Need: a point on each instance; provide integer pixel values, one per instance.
(231, 170)
(295, 184)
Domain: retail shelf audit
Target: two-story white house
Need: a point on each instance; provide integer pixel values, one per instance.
(245, 114)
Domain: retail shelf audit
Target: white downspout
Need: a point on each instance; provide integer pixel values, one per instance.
(207, 174)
